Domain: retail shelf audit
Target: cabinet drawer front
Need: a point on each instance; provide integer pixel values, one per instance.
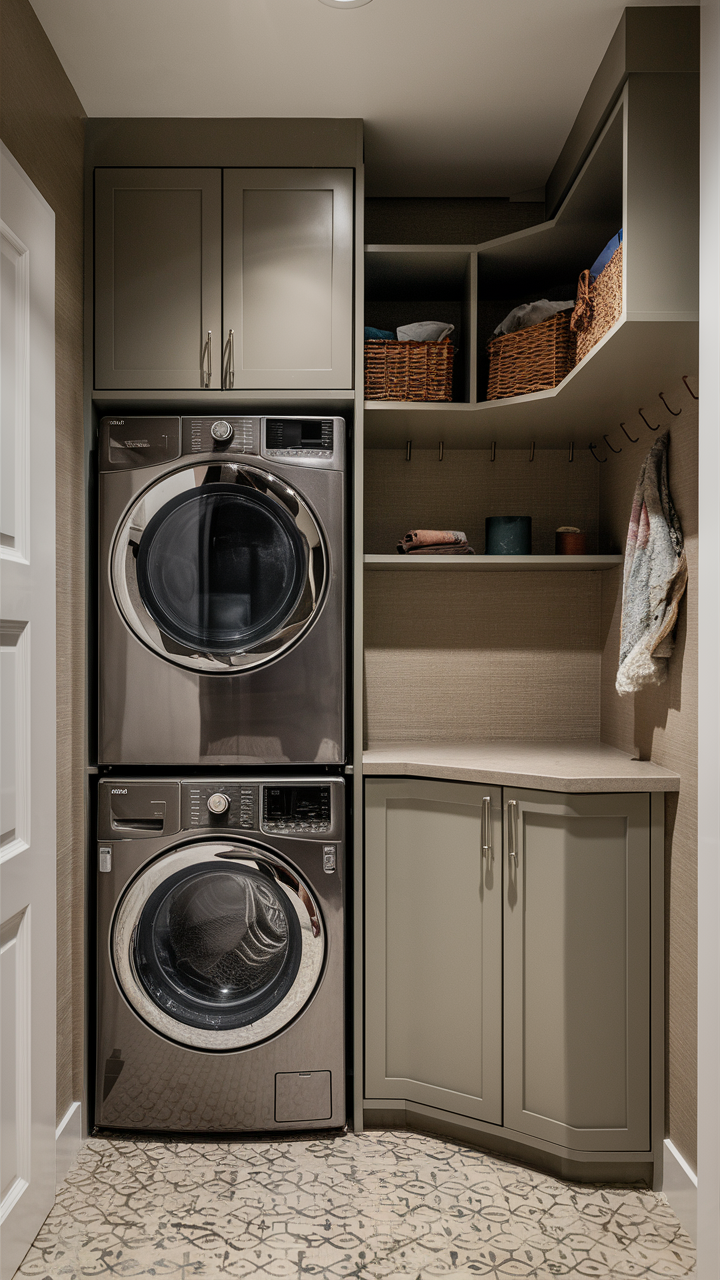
(577, 969)
(288, 276)
(434, 942)
(157, 278)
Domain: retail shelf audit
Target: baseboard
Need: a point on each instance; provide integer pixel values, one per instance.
(680, 1187)
(68, 1140)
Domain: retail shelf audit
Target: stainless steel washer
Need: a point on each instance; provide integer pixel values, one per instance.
(222, 581)
(220, 998)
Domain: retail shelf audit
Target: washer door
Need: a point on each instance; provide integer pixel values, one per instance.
(218, 946)
(219, 566)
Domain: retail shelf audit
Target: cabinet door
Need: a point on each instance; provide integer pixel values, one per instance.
(158, 278)
(433, 905)
(288, 236)
(577, 969)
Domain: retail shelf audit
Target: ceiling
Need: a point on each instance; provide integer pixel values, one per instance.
(459, 97)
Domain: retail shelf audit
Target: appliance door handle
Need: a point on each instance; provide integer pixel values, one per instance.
(513, 830)
(230, 361)
(206, 361)
(486, 828)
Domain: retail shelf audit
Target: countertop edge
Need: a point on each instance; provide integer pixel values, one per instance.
(663, 780)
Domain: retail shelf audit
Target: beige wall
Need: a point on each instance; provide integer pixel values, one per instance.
(661, 723)
(452, 657)
(41, 123)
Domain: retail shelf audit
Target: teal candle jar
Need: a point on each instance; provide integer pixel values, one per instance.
(508, 535)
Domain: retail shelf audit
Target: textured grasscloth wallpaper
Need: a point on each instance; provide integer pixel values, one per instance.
(41, 123)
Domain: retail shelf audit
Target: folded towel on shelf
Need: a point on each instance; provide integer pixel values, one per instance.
(654, 579)
(378, 335)
(424, 331)
(431, 537)
(438, 549)
(530, 313)
(603, 258)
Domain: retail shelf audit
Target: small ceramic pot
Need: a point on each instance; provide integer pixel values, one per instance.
(570, 542)
(508, 535)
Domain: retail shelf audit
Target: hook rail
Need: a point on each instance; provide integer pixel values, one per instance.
(632, 439)
(612, 446)
(687, 384)
(675, 412)
(592, 450)
(647, 424)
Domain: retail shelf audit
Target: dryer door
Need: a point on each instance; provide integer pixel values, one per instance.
(219, 567)
(218, 946)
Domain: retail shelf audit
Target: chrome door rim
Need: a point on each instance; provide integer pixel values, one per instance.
(127, 918)
(126, 592)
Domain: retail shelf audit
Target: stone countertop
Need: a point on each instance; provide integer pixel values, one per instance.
(576, 767)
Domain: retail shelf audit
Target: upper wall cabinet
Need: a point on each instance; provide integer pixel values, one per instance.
(158, 277)
(287, 275)
(179, 306)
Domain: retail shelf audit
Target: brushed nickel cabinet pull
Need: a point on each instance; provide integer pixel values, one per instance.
(206, 362)
(486, 828)
(513, 829)
(230, 363)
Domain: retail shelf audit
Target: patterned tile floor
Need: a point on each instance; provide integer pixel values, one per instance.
(373, 1206)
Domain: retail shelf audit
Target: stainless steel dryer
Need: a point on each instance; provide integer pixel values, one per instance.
(221, 594)
(220, 993)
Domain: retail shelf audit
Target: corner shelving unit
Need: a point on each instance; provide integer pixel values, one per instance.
(640, 174)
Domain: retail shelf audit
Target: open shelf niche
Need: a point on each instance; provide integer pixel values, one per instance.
(641, 175)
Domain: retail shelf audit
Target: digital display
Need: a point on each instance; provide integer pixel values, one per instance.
(297, 433)
(297, 804)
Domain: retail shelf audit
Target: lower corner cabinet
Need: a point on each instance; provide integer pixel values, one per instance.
(508, 959)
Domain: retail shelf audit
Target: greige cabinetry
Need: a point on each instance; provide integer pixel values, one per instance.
(223, 279)
(158, 278)
(508, 962)
(434, 945)
(577, 969)
(288, 277)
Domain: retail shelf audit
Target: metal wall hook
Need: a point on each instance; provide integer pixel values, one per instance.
(408, 450)
(675, 412)
(647, 424)
(492, 451)
(687, 384)
(572, 451)
(592, 450)
(612, 446)
(532, 451)
(441, 448)
(632, 439)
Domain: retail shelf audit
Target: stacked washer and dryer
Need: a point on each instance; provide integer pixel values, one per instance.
(221, 805)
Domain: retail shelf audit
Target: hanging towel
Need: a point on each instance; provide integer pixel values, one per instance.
(655, 577)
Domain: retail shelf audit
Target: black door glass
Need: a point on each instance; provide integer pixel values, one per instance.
(221, 568)
(217, 948)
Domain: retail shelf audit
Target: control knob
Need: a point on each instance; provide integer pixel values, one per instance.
(221, 430)
(218, 803)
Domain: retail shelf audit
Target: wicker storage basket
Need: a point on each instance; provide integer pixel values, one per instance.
(408, 370)
(531, 359)
(598, 304)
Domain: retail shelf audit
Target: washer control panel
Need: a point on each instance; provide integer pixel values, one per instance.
(221, 435)
(298, 437)
(296, 807)
(222, 804)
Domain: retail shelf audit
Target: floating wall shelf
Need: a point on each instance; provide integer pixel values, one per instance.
(576, 564)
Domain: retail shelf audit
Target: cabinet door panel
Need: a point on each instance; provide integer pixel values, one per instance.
(158, 277)
(434, 943)
(288, 277)
(577, 956)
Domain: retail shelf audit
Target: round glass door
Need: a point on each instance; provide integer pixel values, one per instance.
(218, 946)
(219, 566)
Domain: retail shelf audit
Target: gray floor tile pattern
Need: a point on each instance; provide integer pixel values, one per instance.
(373, 1206)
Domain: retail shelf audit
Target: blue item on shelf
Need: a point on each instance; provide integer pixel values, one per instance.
(382, 335)
(508, 535)
(603, 258)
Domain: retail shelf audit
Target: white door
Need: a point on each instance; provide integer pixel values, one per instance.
(27, 711)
